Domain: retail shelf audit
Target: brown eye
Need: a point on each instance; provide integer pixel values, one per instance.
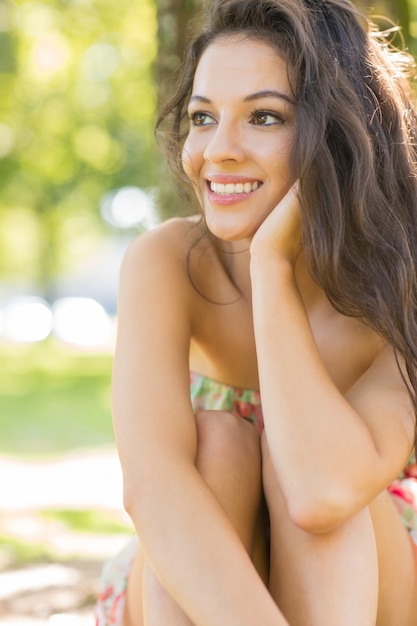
(266, 118)
(199, 118)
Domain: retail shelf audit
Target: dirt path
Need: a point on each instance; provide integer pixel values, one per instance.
(58, 591)
(81, 479)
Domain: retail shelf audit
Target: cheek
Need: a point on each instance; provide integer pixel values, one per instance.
(281, 165)
(190, 162)
(186, 161)
(191, 168)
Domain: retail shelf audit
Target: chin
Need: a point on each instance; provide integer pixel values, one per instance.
(230, 235)
(230, 232)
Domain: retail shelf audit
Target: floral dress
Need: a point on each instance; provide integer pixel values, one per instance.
(404, 493)
(209, 394)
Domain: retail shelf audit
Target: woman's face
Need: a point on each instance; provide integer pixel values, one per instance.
(242, 117)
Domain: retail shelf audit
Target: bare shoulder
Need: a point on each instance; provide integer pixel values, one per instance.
(160, 254)
(155, 306)
(156, 303)
(168, 242)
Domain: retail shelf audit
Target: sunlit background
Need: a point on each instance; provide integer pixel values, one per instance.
(80, 178)
(77, 159)
(78, 182)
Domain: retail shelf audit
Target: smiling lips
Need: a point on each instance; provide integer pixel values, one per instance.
(228, 189)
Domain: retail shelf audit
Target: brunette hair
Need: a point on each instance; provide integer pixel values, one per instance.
(354, 152)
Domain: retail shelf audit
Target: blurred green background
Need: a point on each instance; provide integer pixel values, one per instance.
(77, 103)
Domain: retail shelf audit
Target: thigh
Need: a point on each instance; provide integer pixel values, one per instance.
(397, 565)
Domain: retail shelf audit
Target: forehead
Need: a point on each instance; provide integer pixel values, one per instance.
(238, 63)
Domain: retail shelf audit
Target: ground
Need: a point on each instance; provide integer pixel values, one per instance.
(59, 521)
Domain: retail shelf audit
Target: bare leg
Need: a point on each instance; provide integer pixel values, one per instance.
(329, 579)
(229, 460)
(397, 565)
(133, 613)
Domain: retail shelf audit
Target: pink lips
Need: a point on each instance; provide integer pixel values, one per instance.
(233, 197)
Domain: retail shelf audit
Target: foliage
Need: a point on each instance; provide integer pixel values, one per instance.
(388, 12)
(76, 106)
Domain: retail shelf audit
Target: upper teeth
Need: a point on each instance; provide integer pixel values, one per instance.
(231, 188)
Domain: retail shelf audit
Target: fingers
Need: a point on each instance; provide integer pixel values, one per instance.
(280, 234)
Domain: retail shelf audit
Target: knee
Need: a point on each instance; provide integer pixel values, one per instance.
(225, 440)
(223, 434)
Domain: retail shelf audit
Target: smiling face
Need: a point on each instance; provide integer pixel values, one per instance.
(237, 150)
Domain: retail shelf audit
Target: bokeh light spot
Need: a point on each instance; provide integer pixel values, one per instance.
(81, 321)
(129, 207)
(100, 61)
(27, 319)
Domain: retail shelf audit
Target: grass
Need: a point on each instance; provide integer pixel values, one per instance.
(17, 552)
(86, 521)
(53, 399)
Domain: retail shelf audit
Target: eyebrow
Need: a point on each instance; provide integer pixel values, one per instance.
(258, 95)
(268, 93)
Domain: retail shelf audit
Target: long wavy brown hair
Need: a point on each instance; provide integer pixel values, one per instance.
(354, 152)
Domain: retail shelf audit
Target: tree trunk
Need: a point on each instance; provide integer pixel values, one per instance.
(175, 28)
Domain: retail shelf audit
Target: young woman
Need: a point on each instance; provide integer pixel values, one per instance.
(293, 125)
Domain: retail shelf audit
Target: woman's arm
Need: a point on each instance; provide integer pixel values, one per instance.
(332, 454)
(188, 539)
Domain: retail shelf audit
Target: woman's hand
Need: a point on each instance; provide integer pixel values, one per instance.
(279, 236)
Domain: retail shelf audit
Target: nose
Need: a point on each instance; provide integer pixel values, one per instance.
(225, 144)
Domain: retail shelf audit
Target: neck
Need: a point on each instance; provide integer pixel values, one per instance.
(235, 257)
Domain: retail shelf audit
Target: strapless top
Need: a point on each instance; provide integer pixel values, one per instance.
(207, 393)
